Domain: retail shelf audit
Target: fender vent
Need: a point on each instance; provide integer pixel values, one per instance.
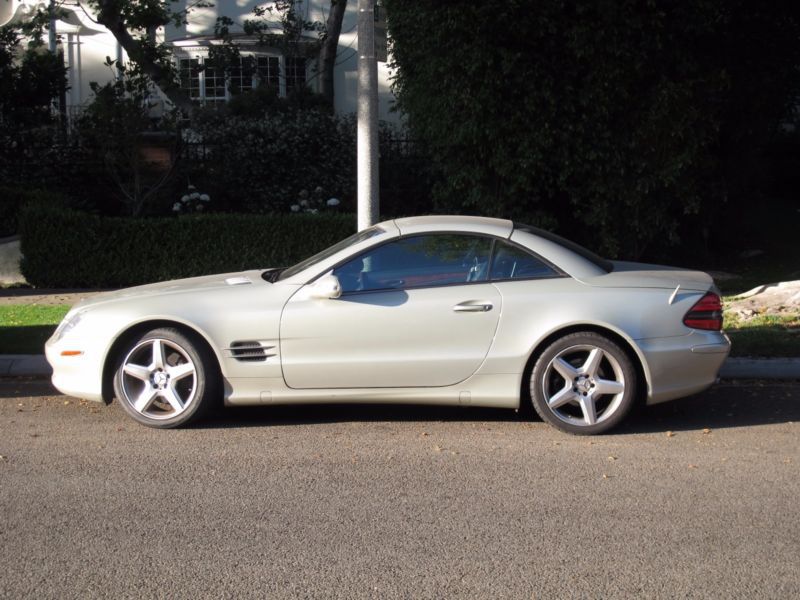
(249, 351)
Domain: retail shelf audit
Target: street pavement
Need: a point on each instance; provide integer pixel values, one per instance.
(696, 498)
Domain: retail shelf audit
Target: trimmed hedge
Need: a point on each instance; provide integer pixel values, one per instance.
(12, 199)
(65, 248)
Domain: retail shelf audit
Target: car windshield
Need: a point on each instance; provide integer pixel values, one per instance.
(328, 252)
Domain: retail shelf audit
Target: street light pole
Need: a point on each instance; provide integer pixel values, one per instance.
(367, 132)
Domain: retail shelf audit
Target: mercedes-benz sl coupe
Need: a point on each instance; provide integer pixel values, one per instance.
(430, 310)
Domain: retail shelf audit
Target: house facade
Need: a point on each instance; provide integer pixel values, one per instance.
(86, 46)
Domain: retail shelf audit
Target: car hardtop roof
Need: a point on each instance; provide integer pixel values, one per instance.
(454, 223)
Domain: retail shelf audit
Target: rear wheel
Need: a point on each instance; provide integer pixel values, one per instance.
(166, 378)
(583, 383)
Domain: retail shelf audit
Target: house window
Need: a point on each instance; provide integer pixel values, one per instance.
(268, 71)
(206, 83)
(190, 77)
(241, 75)
(295, 72)
(215, 88)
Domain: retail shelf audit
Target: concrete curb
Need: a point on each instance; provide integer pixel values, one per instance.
(761, 368)
(16, 365)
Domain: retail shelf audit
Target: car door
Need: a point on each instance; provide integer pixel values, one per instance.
(414, 312)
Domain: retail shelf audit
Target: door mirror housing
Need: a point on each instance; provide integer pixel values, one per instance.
(326, 288)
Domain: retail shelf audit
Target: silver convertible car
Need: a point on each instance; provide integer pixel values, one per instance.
(429, 310)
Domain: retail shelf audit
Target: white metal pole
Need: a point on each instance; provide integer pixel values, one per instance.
(367, 132)
(51, 32)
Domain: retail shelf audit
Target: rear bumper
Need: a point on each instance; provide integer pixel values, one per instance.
(683, 365)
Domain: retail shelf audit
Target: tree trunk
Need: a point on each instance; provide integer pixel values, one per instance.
(109, 15)
(330, 46)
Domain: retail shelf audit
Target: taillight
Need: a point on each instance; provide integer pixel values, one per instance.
(705, 314)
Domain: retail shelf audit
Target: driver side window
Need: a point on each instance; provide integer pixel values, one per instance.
(418, 261)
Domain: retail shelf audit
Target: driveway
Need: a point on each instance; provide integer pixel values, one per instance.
(698, 498)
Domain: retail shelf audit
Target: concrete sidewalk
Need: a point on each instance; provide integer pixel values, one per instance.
(16, 365)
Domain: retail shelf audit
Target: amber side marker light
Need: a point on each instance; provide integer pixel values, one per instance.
(71, 352)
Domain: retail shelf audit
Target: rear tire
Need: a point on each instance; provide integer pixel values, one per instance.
(583, 383)
(166, 378)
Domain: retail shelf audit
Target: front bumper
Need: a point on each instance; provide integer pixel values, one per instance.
(684, 365)
(80, 376)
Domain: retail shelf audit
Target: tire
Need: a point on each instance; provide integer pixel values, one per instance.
(167, 378)
(583, 383)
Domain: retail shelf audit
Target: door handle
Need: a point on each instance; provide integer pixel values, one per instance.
(473, 306)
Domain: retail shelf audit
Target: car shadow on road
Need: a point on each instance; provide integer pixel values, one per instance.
(310, 414)
(742, 404)
(726, 405)
(730, 404)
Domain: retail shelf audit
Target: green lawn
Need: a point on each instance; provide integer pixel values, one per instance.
(24, 328)
(764, 335)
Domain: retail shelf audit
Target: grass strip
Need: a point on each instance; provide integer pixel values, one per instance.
(24, 328)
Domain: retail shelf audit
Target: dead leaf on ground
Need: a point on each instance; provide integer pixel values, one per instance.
(670, 434)
(706, 430)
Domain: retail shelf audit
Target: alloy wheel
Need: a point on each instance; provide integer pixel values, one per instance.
(158, 379)
(583, 385)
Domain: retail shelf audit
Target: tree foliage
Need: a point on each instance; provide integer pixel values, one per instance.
(31, 78)
(626, 121)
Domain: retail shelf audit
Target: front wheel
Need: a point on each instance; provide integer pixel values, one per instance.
(166, 378)
(583, 383)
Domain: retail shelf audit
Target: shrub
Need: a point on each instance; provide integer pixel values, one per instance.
(12, 199)
(261, 165)
(68, 248)
(632, 124)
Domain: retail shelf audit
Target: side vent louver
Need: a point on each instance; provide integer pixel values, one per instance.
(249, 351)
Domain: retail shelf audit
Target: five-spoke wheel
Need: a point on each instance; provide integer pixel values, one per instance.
(165, 379)
(583, 383)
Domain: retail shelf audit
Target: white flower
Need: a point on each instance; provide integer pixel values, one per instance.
(176, 207)
(318, 190)
(304, 203)
(199, 207)
(295, 208)
(185, 199)
(191, 187)
(194, 195)
(313, 211)
(205, 197)
(333, 202)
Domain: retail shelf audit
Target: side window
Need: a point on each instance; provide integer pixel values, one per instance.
(419, 261)
(511, 262)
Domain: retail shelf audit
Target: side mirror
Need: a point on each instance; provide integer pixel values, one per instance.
(326, 288)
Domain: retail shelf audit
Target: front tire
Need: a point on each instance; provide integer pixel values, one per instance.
(583, 383)
(166, 378)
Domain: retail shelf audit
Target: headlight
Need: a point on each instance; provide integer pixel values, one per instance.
(67, 325)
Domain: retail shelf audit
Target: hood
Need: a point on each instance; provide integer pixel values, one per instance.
(178, 286)
(642, 275)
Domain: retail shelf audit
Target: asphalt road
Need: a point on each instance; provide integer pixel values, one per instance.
(698, 498)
